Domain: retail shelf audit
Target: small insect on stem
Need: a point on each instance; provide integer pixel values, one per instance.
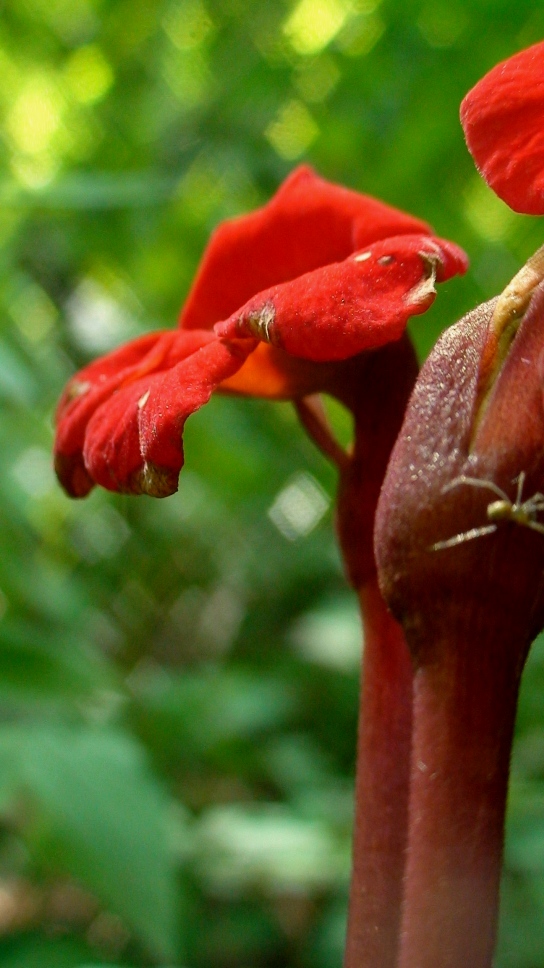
(523, 513)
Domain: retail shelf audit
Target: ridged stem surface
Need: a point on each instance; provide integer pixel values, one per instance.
(381, 793)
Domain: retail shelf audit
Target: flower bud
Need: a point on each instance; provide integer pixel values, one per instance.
(460, 513)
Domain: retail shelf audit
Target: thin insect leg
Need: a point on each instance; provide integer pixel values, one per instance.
(465, 536)
(536, 501)
(521, 482)
(533, 507)
(535, 526)
(477, 482)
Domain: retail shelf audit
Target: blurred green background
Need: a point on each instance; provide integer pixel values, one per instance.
(179, 679)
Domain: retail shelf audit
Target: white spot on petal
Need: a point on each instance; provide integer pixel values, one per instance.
(77, 388)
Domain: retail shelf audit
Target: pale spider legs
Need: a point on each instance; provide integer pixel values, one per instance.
(498, 511)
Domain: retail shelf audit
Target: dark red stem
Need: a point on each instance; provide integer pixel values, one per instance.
(465, 699)
(381, 793)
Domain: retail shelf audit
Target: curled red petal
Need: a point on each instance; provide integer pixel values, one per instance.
(100, 371)
(111, 450)
(308, 223)
(342, 309)
(133, 441)
(102, 384)
(180, 392)
(87, 390)
(503, 120)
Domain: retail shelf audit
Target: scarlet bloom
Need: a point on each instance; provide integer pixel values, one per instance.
(318, 275)
(502, 117)
(288, 303)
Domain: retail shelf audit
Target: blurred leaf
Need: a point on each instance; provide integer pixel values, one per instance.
(36, 667)
(17, 383)
(99, 190)
(525, 846)
(209, 708)
(38, 952)
(130, 128)
(102, 817)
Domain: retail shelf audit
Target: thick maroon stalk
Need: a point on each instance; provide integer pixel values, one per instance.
(460, 555)
(381, 794)
(464, 709)
(383, 756)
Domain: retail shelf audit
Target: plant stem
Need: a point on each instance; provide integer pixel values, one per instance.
(381, 792)
(464, 709)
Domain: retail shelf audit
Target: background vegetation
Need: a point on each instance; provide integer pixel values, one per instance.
(178, 679)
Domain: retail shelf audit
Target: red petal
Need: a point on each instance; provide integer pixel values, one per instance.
(351, 306)
(308, 223)
(180, 392)
(87, 391)
(111, 450)
(103, 386)
(98, 372)
(503, 120)
(133, 442)
(272, 374)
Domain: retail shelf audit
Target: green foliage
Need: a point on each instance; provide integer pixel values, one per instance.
(179, 679)
(94, 808)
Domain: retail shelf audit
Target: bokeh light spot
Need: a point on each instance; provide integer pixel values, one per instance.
(487, 215)
(88, 74)
(292, 131)
(201, 191)
(362, 34)
(187, 75)
(33, 471)
(187, 24)
(97, 319)
(317, 78)
(314, 23)
(35, 116)
(33, 312)
(299, 507)
(329, 635)
(441, 25)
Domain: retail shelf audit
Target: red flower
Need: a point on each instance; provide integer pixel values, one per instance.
(503, 120)
(317, 275)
